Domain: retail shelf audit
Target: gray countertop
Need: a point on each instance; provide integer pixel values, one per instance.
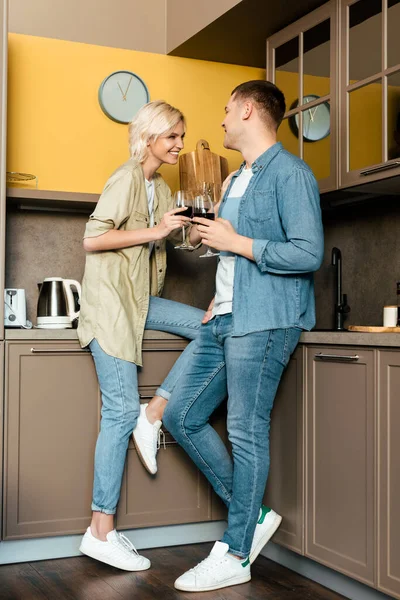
(71, 334)
(351, 338)
(312, 337)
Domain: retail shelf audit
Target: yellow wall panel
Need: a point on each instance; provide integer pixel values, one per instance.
(57, 130)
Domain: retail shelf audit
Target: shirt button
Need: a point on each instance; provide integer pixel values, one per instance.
(157, 247)
(160, 270)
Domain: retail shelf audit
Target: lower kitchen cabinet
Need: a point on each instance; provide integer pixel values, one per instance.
(178, 493)
(51, 423)
(1, 430)
(285, 487)
(389, 472)
(52, 412)
(340, 434)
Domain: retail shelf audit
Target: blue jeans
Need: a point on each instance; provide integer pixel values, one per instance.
(120, 397)
(247, 369)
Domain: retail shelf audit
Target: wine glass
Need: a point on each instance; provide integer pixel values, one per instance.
(203, 207)
(184, 198)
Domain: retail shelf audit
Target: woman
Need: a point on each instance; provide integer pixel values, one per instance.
(125, 240)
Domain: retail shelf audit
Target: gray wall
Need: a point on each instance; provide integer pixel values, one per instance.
(369, 237)
(41, 244)
(49, 244)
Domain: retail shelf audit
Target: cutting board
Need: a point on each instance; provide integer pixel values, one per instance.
(368, 329)
(202, 165)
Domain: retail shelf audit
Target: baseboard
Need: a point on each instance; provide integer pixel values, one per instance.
(354, 590)
(28, 550)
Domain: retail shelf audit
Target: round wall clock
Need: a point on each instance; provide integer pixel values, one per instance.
(316, 120)
(121, 94)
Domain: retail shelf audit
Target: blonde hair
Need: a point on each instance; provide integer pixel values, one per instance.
(150, 122)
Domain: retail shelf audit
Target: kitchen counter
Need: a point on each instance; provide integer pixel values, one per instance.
(71, 334)
(391, 340)
(351, 338)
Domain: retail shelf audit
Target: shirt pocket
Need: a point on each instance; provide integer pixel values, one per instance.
(138, 220)
(260, 206)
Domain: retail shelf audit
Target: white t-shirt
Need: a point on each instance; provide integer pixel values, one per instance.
(226, 263)
(150, 201)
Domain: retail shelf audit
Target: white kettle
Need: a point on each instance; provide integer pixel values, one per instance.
(56, 304)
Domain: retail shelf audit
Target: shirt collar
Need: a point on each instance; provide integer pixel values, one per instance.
(264, 159)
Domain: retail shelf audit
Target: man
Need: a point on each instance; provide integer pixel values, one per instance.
(269, 233)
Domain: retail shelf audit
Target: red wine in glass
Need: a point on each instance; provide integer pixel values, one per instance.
(204, 215)
(184, 199)
(188, 212)
(203, 207)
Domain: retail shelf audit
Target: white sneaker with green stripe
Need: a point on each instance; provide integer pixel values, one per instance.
(220, 569)
(268, 522)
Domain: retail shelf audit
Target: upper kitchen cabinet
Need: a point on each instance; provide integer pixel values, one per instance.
(370, 90)
(3, 125)
(301, 61)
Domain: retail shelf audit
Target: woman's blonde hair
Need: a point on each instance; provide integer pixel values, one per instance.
(150, 122)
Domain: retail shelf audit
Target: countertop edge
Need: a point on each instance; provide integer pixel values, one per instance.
(390, 340)
(71, 334)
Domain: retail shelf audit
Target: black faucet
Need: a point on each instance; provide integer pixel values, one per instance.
(341, 306)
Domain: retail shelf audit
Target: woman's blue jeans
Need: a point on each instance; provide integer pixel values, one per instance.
(247, 369)
(120, 397)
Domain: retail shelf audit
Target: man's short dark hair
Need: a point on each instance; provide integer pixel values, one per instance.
(269, 99)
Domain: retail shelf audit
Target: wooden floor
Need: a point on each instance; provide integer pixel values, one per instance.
(82, 578)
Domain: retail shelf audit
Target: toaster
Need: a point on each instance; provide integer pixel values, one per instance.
(15, 308)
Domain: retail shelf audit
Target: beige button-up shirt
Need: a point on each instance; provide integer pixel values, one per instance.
(117, 283)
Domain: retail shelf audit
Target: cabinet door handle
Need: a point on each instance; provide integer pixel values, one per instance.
(392, 165)
(58, 350)
(347, 358)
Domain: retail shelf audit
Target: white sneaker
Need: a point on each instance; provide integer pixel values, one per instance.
(117, 551)
(268, 522)
(218, 570)
(146, 436)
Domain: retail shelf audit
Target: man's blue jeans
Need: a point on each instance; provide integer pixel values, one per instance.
(120, 397)
(247, 369)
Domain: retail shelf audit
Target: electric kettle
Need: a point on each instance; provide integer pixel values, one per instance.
(56, 304)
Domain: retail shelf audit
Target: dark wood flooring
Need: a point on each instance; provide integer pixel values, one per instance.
(82, 578)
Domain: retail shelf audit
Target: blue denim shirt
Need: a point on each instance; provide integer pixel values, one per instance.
(280, 211)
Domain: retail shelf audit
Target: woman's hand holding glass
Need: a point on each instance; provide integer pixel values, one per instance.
(171, 220)
(184, 203)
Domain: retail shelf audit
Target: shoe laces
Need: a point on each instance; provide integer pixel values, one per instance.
(126, 544)
(208, 564)
(161, 439)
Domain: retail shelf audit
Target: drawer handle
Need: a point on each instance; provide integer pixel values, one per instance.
(58, 350)
(164, 349)
(392, 165)
(346, 358)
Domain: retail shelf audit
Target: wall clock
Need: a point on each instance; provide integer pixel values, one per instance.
(316, 120)
(121, 94)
